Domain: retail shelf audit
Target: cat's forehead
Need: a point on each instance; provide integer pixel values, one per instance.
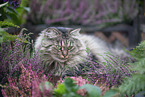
(59, 33)
(64, 31)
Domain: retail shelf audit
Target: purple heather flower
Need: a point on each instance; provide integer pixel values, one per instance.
(15, 3)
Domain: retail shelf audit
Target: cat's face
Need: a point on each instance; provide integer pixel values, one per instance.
(64, 43)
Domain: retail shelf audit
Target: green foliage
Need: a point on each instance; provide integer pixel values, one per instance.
(7, 24)
(22, 11)
(135, 83)
(93, 91)
(139, 66)
(66, 89)
(112, 93)
(5, 37)
(69, 89)
(24, 3)
(139, 51)
(13, 15)
(45, 86)
(60, 89)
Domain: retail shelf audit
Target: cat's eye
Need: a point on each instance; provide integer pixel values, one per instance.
(70, 47)
(58, 47)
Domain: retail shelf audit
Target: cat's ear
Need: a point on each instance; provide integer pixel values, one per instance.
(50, 33)
(75, 32)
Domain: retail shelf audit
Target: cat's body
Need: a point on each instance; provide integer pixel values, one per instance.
(66, 47)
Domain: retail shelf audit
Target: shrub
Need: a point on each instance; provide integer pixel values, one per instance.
(79, 87)
(12, 53)
(34, 84)
(29, 84)
(112, 71)
(13, 11)
(84, 12)
(135, 83)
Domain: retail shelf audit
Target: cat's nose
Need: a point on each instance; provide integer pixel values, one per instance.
(65, 54)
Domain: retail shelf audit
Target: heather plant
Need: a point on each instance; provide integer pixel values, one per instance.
(34, 84)
(82, 12)
(28, 84)
(136, 83)
(110, 72)
(14, 3)
(17, 63)
(11, 53)
(9, 59)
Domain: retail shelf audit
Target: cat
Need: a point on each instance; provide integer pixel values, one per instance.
(62, 48)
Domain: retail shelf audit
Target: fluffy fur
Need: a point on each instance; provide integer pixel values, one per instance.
(66, 47)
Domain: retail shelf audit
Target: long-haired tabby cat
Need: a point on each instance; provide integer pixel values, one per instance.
(62, 48)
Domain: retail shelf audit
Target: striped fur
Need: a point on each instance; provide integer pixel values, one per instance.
(66, 47)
